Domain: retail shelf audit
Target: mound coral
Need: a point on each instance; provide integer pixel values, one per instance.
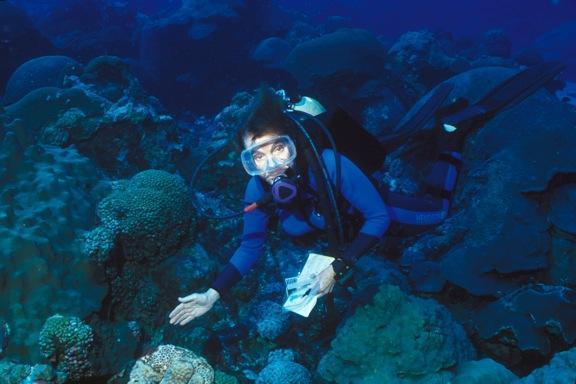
(149, 217)
(396, 338)
(143, 221)
(43, 71)
(282, 369)
(347, 50)
(67, 341)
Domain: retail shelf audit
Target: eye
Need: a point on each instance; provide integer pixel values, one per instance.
(257, 156)
(279, 147)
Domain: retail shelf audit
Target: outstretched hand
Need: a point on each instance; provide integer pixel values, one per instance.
(193, 306)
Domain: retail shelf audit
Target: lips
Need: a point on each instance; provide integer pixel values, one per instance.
(271, 176)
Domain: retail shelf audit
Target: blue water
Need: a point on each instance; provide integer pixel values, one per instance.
(523, 21)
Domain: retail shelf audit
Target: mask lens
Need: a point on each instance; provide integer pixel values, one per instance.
(269, 155)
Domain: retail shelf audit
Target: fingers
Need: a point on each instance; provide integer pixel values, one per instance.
(325, 289)
(181, 311)
(177, 314)
(189, 298)
(326, 285)
(180, 317)
(187, 316)
(177, 310)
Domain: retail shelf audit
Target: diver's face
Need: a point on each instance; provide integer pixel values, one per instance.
(271, 154)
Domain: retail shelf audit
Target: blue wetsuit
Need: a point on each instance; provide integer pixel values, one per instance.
(362, 198)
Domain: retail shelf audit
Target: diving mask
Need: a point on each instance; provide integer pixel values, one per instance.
(269, 155)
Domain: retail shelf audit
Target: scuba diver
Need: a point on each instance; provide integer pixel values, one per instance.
(312, 188)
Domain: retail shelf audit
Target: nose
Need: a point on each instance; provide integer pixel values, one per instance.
(270, 162)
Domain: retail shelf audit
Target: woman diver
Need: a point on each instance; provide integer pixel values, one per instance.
(273, 156)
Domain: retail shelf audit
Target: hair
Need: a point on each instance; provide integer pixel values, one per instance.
(265, 115)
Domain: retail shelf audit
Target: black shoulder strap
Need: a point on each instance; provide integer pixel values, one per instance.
(328, 200)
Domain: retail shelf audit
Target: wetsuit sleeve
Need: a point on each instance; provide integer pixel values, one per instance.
(359, 191)
(253, 238)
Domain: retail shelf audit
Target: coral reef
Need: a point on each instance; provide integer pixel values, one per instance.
(11, 373)
(530, 319)
(397, 338)
(20, 39)
(483, 371)
(64, 127)
(189, 270)
(111, 78)
(282, 369)
(166, 43)
(562, 250)
(346, 50)
(67, 343)
(562, 212)
(497, 238)
(561, 369)
(149, 217)
(496, 43)
(45, 199)
(421, 57)
(104, 112)
(270, 319)
(169, 363)
(223, 378)
(39, 72)
(284, 372)
(271, 52)
(4, 336)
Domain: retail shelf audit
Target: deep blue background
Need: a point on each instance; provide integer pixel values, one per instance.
(522, 20)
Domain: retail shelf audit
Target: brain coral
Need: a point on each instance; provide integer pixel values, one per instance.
(171, 364)
(396, 337)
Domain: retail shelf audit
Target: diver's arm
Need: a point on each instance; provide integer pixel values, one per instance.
(359, 191)
(245, 256)
(253, 239)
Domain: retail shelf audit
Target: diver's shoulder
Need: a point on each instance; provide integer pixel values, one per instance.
(254, 188)
(329, 158)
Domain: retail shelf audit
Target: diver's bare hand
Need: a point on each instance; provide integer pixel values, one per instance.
(326, 281)
(193, 306)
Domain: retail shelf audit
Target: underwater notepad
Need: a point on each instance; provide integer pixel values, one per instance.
(302, 290)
